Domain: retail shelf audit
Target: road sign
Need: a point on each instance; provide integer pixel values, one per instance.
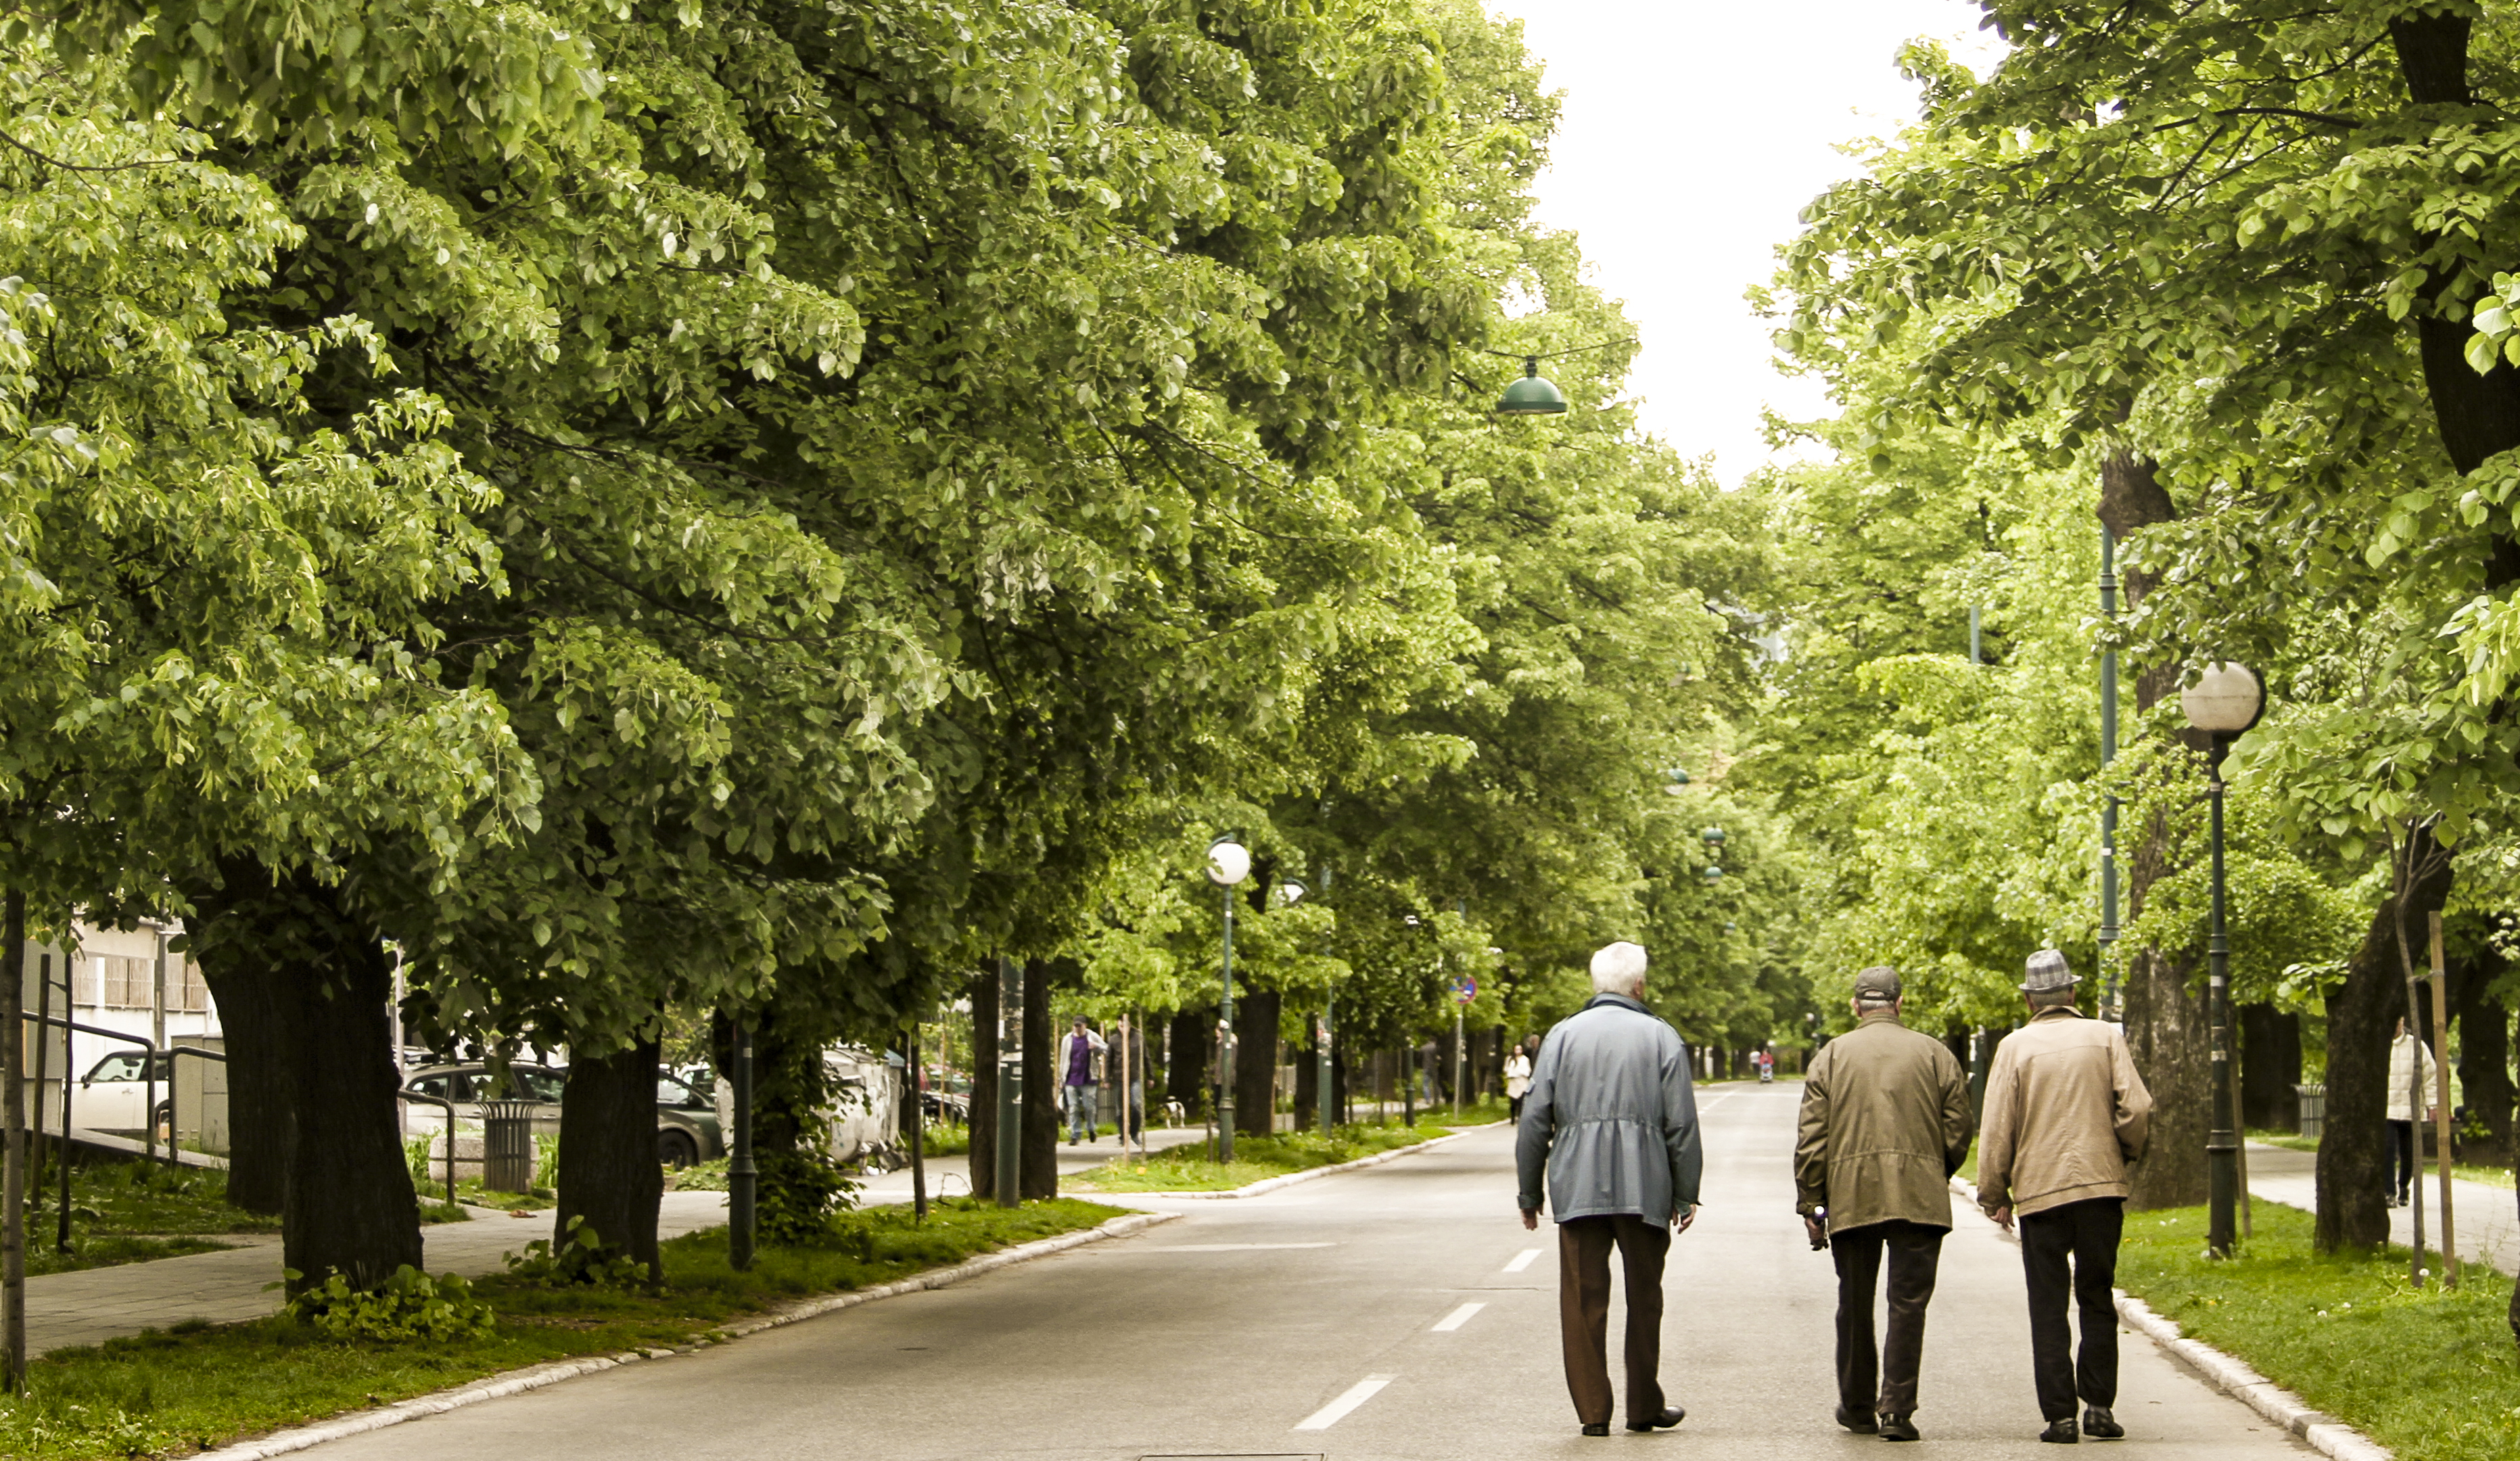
(1466, 990)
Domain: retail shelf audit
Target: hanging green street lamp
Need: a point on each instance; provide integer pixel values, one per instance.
(1535, 394)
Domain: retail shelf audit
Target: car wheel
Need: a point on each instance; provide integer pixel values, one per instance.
(675, 1150)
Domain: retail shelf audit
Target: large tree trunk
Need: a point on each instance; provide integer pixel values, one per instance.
(348, 1208)
(1193, 1053)
(260, 1120)
(1041, 1114)
(2353, 1155)
(2483, 1053)
(608, 1170)
(2270, 1068)
(1255, 1061)
(985, 1085)
(1308, 1078)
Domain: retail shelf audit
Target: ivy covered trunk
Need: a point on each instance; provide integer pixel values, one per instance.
(2362, 1013)
(608, 1170)
(2484, 1052)
(1193, 1056)
(2269, 1066)
(1255, 1061)
(1039, 1116)
(984, 1084)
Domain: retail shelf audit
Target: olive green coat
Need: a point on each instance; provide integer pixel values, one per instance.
(1885, 1122)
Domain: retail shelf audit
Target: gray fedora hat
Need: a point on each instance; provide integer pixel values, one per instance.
(2046, 971)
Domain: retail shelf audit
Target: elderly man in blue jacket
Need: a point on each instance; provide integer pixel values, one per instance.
(1612, 1123)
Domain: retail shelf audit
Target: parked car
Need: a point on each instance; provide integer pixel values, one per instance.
(687, 1131)
(113, 1095)
(865, 1115)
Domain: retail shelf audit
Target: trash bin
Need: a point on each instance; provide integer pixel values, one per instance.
(2313, 1108)
(508, 1146)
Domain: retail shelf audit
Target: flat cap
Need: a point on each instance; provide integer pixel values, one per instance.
(2048, 969)
(1880, 982)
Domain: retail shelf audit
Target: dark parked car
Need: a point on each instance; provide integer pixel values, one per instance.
(687, 1130)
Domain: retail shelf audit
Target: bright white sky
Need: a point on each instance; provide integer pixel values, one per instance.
(1693, 131)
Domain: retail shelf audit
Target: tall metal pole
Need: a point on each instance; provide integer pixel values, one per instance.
(741, 1176)
(2222, 1148)
(1977, 655)
(1225, 1061)
(1009, 1147)
(1322, 1105)
(917, 1132)
(2108, 937)
(13, 1149)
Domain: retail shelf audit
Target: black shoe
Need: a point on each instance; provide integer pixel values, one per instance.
(1898, 1427)
(2099, 1424)
(1860, 1421)
(2390, 1199)
(2060, 1432)
(1597, 1428)
(1672, 1415)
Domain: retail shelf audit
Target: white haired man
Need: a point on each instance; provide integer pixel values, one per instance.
(2065, 1114)
(1610, 1124)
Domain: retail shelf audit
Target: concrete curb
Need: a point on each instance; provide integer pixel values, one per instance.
(518, 1382)
(2316, 1429)
(1271, 1184)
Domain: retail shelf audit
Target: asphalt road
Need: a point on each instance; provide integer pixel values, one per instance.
(1224, 1333)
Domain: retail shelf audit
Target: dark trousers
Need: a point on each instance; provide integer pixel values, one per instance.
(1915, 1252)
(1583, 1310)
(2402, 1159)
(2086, 1233)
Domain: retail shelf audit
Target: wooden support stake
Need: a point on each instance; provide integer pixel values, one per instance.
(2441, 1106)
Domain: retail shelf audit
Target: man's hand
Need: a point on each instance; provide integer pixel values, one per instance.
(1531, 1220)
(1816, 1231)
(2002, 1216)
(1681, 1217)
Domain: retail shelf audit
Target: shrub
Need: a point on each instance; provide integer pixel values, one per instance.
(583, 1257)
(410, 1306)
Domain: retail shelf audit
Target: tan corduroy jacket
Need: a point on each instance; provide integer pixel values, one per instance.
(1885, 1122)
(2065, 1113)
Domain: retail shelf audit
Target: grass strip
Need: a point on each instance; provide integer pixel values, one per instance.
(198, 1386)
(1257, 1159)
(2432, 1374)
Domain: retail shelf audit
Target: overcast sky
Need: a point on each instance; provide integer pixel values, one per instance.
(1693, 133)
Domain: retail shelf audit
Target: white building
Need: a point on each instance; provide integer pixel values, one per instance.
(126, 982)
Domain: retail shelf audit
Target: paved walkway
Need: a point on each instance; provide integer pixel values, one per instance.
(2488, 1217)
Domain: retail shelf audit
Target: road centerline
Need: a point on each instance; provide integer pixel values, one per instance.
(1337, 1410)
(1457, 1318)
(1522, 1260)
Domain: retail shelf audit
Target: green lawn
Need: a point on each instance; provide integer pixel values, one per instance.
(200, 1386)
(1190, 1169)
(2433, 1376)
(129, 1211)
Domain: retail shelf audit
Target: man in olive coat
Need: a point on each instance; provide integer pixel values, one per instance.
(1885, 1122)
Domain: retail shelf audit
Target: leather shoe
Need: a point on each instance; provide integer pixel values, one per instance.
(2099, 1424)
(2062, 1431)
(1860, 1421)
(1898, 1427)
(1672, 1415)
(1597, 1428)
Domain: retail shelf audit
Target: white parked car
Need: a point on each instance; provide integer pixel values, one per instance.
(865, 1117)
(112, 1096)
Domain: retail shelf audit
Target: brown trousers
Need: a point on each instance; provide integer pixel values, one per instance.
(1584, 1311)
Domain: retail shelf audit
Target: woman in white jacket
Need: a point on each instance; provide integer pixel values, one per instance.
(1517, 1080)
(2404, 1052)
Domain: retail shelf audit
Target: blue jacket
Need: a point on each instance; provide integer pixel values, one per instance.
(1610, 1116)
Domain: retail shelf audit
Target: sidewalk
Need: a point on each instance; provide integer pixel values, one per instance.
(95, 1304)
(2488, 1217)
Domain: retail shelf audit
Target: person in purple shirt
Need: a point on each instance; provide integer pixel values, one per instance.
(1078, 1051)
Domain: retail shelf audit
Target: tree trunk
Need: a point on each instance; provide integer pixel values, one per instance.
(2353, 1155)
(2483, 1053)
(1040, 1114)
(608, 1170)
(985, 1085)
(260, 1120)
(349, 1206)
(1192, 1053)
(1308, 1078)
(1255, 1061)
(2270, 1068)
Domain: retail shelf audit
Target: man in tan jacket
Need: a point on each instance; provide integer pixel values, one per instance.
(2065, 1113)
(1885, 1122)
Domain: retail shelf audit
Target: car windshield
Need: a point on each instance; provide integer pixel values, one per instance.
(539, 1085)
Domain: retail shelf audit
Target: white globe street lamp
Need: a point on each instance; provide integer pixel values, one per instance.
(1229, 862)
(2226, 700)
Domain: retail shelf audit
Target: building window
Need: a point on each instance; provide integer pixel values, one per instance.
(116, 982)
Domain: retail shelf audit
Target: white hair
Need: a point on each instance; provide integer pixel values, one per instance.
(1619, 968)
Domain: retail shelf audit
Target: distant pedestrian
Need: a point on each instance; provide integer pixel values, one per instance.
(2065, 1114)
(2404, 1052)
(1885, 1122)
(1517, 1080)
(1611, 1125)
(1079, 1052)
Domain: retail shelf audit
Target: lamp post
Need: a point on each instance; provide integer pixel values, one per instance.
(2226, 700)
(1712, 837)
(1229, 862)
(2108, 935)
